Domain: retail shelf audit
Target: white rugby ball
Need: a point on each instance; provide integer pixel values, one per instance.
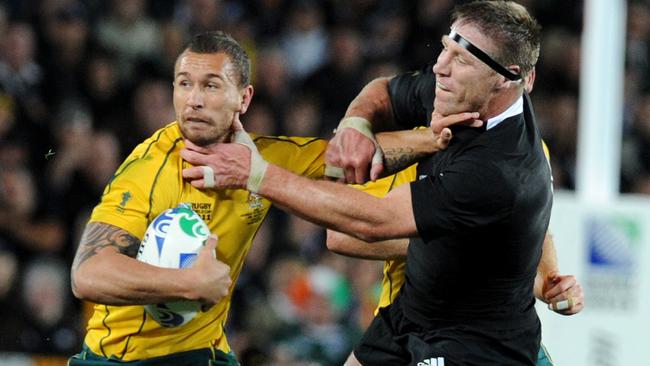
(173, 240)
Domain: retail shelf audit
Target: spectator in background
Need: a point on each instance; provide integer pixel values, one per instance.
(430, 18)
(272, 81)
(558, 121)
(73, 128)
(201, 15)
(303, 117)
(14, 141)
(559, 64)
(151, 109)
(51, 326)
(304, 39)
(66, 41)
(10, 309)
(173, 38)
(20, 74)
(262, 120)
(104, 94)
(268, 17)
(127, 20)
(387, 39)
(339, 80)
(321, 337)
(637, 53)
(25, 218)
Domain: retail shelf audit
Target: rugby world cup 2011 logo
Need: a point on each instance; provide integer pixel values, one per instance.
(190, 222)
(161, 226)
(613, 243)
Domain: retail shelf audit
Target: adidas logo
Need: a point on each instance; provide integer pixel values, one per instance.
(438, 361)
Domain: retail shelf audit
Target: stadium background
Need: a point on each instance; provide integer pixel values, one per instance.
(82, 82)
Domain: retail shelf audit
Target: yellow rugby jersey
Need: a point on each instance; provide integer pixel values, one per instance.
(393, 269)
(148, 182)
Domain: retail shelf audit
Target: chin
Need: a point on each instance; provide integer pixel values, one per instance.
(203, 137)
(446, 109)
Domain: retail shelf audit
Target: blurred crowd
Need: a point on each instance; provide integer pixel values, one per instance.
(82, 82)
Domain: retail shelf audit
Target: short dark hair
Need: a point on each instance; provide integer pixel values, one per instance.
(514, 31)
(218, 41)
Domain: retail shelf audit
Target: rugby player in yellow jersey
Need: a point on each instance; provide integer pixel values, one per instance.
(211, 88)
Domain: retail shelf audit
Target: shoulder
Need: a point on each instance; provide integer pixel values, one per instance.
(300, 155)
(284, 143)
(147, 160)
(163, 140)
(156, 149)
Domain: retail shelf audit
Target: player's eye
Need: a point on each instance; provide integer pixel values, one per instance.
(183, 83)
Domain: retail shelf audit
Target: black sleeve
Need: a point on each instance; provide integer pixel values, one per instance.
(467, 195)
(411, 95)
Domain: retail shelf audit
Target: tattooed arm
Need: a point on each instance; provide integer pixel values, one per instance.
(404, 148)
(105, 271)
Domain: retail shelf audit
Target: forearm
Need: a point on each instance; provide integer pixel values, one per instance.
(104, 271)
(547, 264)
(404, 148)
(114, 279)
(373, 103)
(338, 207)
(349, 246)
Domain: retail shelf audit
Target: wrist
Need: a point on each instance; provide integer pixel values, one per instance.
(186, 282)
(359, 124)
(258, 165)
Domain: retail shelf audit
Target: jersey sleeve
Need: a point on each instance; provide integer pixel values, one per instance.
(381, 187)
(301, 155)
(466, 196)
(129, 200)
(411, 95)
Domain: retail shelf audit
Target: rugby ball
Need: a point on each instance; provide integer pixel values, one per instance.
(173, 240)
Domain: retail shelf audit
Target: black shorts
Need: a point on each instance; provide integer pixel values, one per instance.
(392, 339)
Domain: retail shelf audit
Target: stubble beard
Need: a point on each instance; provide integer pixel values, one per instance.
(205, 138)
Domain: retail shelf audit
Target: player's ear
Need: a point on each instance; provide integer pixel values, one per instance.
(505, 83)
(529, 81)
(246, 94)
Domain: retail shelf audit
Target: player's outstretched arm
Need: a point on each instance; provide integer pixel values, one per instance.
(105, 271)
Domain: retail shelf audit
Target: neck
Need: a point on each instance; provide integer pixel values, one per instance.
(500, 102)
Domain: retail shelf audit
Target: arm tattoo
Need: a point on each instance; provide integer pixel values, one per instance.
(98, 236)
(396, 159)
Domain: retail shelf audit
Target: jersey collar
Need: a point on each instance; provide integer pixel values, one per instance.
(516, 108)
